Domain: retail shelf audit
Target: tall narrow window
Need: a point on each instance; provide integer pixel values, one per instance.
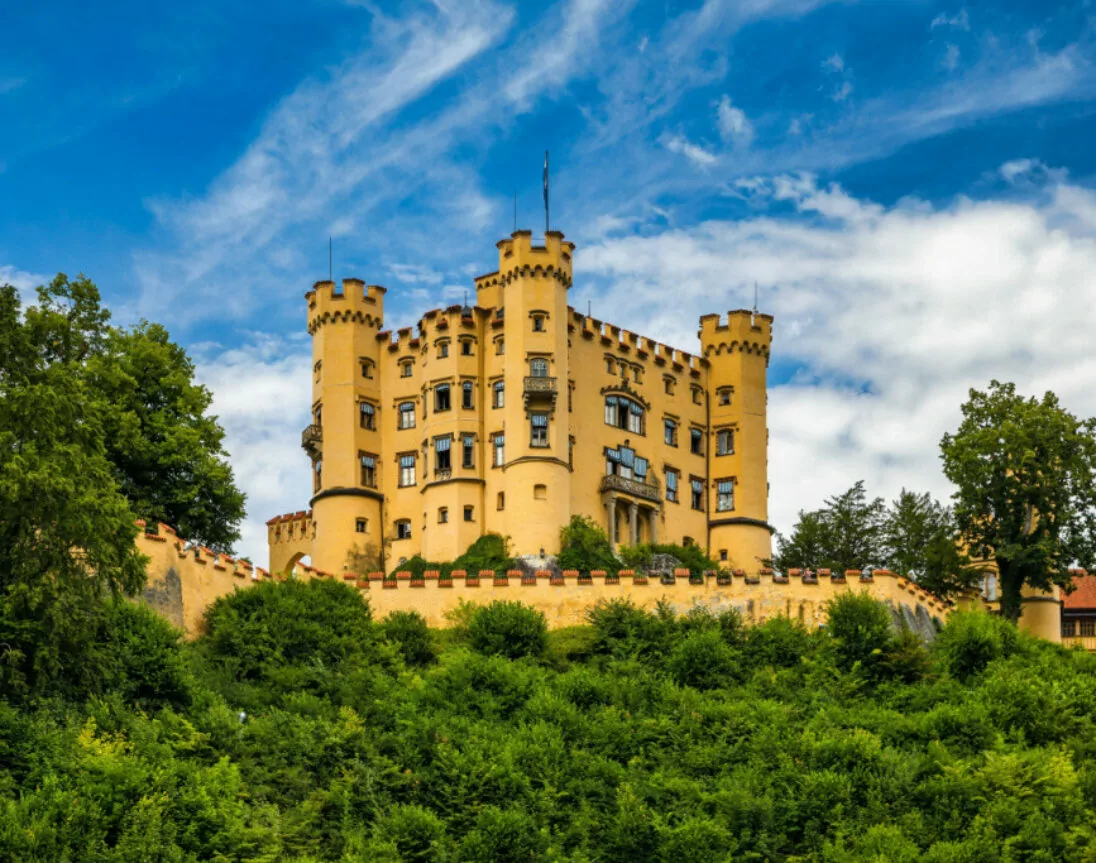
(442, 462)
(612, 410)
(635, 417)
(468, 446)
(443, 350)
(500, 347)
(441, 398)
(724, 442)
(610, 366)
(539, 423)
(443, 514)
(696, 395)
(499, 442)
(403, 529)
(405, 369)
(725, 396)
(671, 484)
(469, 513)
(466, 348)
(538, 323)
(499, 391)
(361, 525)
(317, 475)
(697, 499)
(696, 441)
(367, 368)
(500, 500)
(407, 415)
(724, 501)
(466, 390)
(407, 470)
(369, 470)
(368, 417)
(670, 432)
(538, 367)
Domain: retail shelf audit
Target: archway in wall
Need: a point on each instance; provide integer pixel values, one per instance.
(301, 558)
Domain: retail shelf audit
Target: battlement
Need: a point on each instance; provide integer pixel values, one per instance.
(626, 342)
(519, 257)
(741, 331)
(354, 301)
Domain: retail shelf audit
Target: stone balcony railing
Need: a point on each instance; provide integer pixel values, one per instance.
(312, 439)
(540, 389)
(634, 487)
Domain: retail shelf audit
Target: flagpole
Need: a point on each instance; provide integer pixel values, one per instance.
(547, 221)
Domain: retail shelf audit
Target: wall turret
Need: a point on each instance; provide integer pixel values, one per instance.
(737, 452)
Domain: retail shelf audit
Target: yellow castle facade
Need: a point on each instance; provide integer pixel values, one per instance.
(514, 414)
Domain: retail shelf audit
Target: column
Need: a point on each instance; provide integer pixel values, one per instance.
(610, 513)
(653, 514)
(633, 523)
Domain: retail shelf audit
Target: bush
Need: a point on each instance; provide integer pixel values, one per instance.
(417, 565)
(622, 629)
(971, 640)
(490, 551)
(779, 642)
(861, 629)
(692, 557)
(414, 832)
(584, 546)
(702, 660)
(145, 660)
(503, 836)
(409, 632)
(508, 629)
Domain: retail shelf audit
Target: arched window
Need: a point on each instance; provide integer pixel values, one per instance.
(624, 413)
(538, 367)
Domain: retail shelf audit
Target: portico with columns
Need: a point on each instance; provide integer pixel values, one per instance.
(634, 503)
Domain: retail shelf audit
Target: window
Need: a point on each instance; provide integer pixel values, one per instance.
(468, 446)
(500, 500)
(670, 432)
(317, 415)
(571, 453)
(405, 369)
(725, 396)
(697, 498)
(539, 423)
(500, 347)
(466, 391)
(443, 350)
(724, 501)
(368, 417)
(538, 323)
(317, 368)
(610, 366)
(724, 442)
(671, 484)
(1069, 628)
(499, 442)
(443, 515)
(669, 385)
(1088, 627)
(540, 492)
(403, 529)
(469, 513)
(317, 475)
(624, 462)
(407, 470)
(442, 461)
(360, 525)
(441, 398)
(696, 441)
(499, 392)
(635, 374)
(538, 367)
(367, 368)
(696, 395)
(369, 469)
(723, 554)
(466, 348)
(624, 413)
(407, 415)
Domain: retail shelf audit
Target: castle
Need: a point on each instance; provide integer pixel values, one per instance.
(514, 414)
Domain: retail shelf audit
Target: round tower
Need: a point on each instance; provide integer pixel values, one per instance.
(343, 437)
(739, 535)
(533, 284)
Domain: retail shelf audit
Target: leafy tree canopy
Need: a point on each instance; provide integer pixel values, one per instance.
(584, 546)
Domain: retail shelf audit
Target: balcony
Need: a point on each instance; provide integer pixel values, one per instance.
(1088, 642)
(312, 440)
(624, 485)
(540, 390)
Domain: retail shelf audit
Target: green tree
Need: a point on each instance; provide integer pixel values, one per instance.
(508, 629)
(920, 540)
(66, 530)
(1025, 477)
(584, 546)
(846, 532)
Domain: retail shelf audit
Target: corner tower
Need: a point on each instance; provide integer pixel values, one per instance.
(344, 432)
(532, 292)
(738, 444)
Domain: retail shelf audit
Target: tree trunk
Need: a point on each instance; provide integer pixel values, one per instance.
(1011, 580)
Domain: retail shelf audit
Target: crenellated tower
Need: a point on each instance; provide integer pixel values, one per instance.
(344, 435)
(738, 437)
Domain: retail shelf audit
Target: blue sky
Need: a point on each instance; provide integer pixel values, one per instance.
(911, 184)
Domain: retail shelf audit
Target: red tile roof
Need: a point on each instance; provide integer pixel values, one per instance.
(1085, 594)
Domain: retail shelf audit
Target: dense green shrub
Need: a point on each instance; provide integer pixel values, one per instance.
(702, 660)
(508, 629)
(417, 565)
(692, 557)
(584, 546)
(622, 629)
(972, 640)
(861, 630)
(490, 551)
(409, 632)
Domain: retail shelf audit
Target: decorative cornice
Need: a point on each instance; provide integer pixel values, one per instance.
(347, 492)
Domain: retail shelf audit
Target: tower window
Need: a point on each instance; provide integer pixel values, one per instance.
(500, 347)
(540, 492)
(671, 484)
(635, 374)
(538, 323)
(500, 501)
(724, 442)
(407, 470)
(538, 367)
(668, 383)
(723, 554)
(318, 368)
(407, 415)
(469, 513)
(724, 501)
(443, 515)
(725, 395)
(499, 391)
(367, 369)
(539, 425)
(466, 391)
(610, 366)
(670, 432)
(442, 461)
(441, 398)
(403, 529)
(499, 444)
(405, 369)
(368, 416)
(443, 350)
(697, 498)
(696, 441)
(360, 525)
(468, 444)
(696, 395)
(466, 348)
(317, 475)
(368, 464)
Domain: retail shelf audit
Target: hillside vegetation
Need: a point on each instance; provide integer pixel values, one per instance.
(298, 729)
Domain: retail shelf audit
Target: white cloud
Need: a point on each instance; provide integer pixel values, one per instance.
(734, 126)
(416, 274)
(23, 282)
(1025, 171)
(834, 63)
(951, 57)
(891, 313)
(960, 21)
(694, 153)
(843, 92)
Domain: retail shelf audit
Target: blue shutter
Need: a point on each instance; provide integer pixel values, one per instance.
(442, 444)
